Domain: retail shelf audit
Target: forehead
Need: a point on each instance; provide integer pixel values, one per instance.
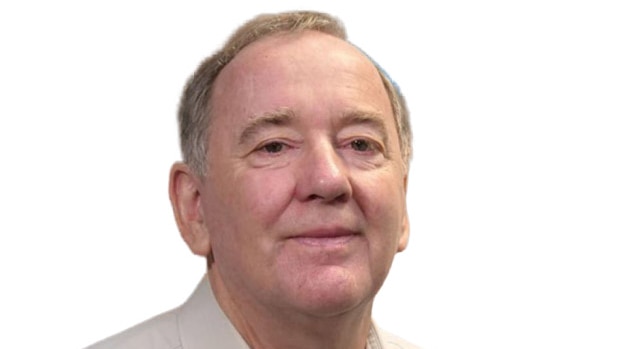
(312, 48)
(306, 70)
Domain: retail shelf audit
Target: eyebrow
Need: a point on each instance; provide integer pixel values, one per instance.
(285, 116)
(373, 119)
(279, 117)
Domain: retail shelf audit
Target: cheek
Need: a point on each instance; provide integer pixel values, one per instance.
(242, 209)
(382, 201)
(263, 195)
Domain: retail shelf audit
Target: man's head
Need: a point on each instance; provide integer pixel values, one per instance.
(301, 202)
(195, 105)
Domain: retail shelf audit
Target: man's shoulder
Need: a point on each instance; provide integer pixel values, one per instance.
(192, 325)
(392, 341)
(159, 332)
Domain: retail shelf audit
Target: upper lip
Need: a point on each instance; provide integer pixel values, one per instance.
(330, 232)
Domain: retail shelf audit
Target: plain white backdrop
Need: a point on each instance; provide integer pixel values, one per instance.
(514, 193)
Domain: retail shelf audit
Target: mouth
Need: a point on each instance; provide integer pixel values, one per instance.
(325, 237)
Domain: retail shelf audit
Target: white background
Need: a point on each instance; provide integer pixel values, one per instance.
(514, 197)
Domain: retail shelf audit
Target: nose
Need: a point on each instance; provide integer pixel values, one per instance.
(323, 175)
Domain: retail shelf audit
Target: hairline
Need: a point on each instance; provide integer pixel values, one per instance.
(195, 148)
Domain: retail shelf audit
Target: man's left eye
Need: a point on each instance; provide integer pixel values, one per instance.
(361, 145)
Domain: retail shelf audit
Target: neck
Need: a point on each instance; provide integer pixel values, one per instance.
(264, 327)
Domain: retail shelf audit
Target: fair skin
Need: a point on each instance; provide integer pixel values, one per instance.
(303, 200)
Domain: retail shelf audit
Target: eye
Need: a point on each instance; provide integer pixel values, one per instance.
(272, 147)
(361, 145)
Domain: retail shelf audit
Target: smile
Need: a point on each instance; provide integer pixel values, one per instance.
(325, 238)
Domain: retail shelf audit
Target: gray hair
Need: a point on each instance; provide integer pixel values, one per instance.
(194, 107)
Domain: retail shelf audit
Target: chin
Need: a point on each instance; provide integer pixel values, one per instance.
(332, 292)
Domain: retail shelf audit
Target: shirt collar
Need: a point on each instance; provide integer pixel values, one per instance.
(201, 320)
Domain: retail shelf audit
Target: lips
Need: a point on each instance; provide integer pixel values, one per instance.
(325, 237)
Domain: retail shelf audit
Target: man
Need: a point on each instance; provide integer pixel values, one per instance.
(296, 150)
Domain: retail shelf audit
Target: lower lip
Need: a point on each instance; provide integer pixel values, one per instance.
(326, 241)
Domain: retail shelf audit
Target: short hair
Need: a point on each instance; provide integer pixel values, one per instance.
(195, 105)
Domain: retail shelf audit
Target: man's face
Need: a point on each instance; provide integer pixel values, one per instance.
(304, 193)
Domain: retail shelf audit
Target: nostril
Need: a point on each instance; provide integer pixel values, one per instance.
(339, 198)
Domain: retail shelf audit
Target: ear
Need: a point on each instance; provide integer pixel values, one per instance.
(405, 233)
(184, 190)
(405, 225)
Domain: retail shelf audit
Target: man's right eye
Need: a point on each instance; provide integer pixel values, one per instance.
(273, 147)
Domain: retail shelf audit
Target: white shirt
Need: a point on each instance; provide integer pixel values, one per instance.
(200, 324)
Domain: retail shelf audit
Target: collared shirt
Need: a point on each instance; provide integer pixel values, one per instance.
(201, 324)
